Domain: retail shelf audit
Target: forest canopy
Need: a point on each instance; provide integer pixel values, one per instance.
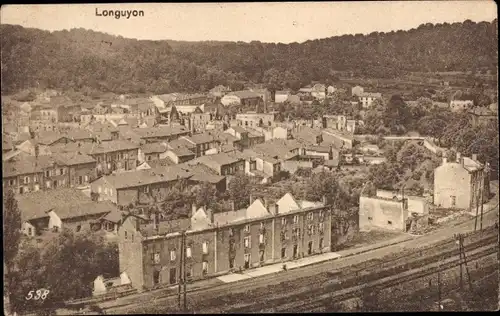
(84, 59)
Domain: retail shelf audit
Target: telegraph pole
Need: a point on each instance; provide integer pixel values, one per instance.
(439, 288)
(459, 241)
(482, 204)
(180, 271)
(184, 270)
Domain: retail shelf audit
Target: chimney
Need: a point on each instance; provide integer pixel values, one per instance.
(445, 160)
(193, 209)
(459, 156)
(474, 157)
(324, 199)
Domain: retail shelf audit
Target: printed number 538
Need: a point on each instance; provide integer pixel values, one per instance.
(37, 295)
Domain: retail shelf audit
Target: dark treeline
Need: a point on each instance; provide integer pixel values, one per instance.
(84, 59)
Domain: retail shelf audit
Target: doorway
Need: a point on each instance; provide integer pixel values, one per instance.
(310, 248)
(247, 261)
(156, 277)
(173, 276)
(295, 251)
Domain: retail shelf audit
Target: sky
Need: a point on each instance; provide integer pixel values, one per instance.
(265, 22)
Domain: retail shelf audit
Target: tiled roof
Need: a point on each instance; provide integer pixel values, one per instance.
(73, 158)
(160, 131)
(161, 163)
(371, 94)
(245, 94)
(144, 177)
(202, 138)
(150, 148)
(95, 148)
(223, 218)
(215, 161)
(78, 134)
(114, 216)
(179, 148)
(28, 165)
(35, 204)
(48, 137)
(89, 208)
(165, 227)
(202, 173)
(239, 129)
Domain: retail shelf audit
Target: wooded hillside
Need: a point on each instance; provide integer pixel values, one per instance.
(84, 59)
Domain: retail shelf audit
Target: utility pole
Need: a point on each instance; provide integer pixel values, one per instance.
(180, 271)
(459, 241)
(465, 261)
(439, 288)
(184, 270)
(482, 204)
(477, 211)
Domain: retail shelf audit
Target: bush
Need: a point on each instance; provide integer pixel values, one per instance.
(416, 175)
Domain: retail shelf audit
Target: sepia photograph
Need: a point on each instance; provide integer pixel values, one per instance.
(259, 157)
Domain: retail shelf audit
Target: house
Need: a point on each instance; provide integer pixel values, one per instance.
(152, 151)
(142, 186)
(367, 98)
(245, 97)
(219, 91)
(79, 216)
(103, 286)
(222, 163)
(81, 168)
(307, 135)
(201, 144)
(221, 242)
(198, 121)
(325, 152)
(338, 122)
(281, 96)
(32, 147)
(386, 213)
(357, 91)
(141, 107)
(34, 206)
(178, 153)
(252, 119)
(264, 167)
(246, 137)
(279, 149)
(203, 174)
(461, 105)
(115, 155)
(32, 174)
(158, 134)
(330, 90)
(461, 184)
(338, 139)
(318, 91)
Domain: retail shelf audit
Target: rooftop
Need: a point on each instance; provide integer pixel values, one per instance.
(145, 177)
(90, 208)
(245, 94)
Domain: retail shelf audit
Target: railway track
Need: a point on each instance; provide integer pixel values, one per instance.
(364, 273)
(318, 303)
(229, 296)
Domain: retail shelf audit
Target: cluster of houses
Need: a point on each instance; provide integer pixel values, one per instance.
(85, 166)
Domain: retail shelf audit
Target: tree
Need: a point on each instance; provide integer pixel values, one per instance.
(11, 232)
(205, 194)
(385, 175)
(238, 190)
(397, 114)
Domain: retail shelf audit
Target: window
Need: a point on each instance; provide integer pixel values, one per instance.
(320, 243)
(61, 171)
(205, 247)
(188, 252)
(189, 272)
(247, 228)
(247, 260)
(231, 232)
(172, 255)
(295, 219)
(310, 216)
(125, 234)
(78, 228)
(283, 253)
(29, 231)
(145, 189)
(453, 201)
(26, 179)
(86, 178)
(106, 191)
(11, 182)
(261, 239)
(21, 190)
(156, 257)
(80, 180)
(156, 277)
(321, 215)
(110, 192)
(37, 187)
(262, 225)
(99, 189)
(205, 267)
(283, 221)
(370, 218)
(47, 173)
(247, 242)
(389, 222)
(231, 263)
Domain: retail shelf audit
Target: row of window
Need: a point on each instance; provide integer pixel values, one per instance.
(106, 191)
(155, 257)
